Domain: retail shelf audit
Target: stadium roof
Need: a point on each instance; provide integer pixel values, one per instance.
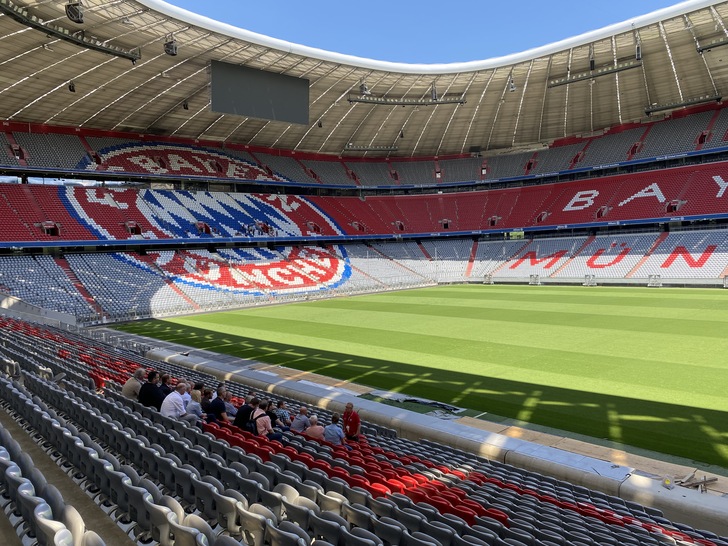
(577, 86)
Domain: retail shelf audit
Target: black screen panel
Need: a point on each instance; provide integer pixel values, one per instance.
(254, 93)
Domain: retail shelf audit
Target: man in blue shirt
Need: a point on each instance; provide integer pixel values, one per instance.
(333, 433)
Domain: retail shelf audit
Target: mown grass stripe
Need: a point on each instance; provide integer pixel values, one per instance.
(634, 365)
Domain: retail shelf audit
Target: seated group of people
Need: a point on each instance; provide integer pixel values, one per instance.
(195, 403)
(341, 430)
(186, 400)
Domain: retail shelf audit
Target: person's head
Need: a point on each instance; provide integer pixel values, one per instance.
(196, 395)
(199, 386)
(221, 390)
(228, 396)
(207, 393)
(152, 376)
(281, 404)
(255, 401)
(349, 407)
(314, 420)
(334, 418)
(165, 378)
(139, 374)
(303, 410)
(263, 405)
(181, 387)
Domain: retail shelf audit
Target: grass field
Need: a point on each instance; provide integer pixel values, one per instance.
(641, 367)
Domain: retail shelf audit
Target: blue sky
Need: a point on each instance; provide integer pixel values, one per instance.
(423, 31)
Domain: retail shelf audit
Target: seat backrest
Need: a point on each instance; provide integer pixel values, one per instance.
(357, 515)
(253, 526)
(438, 530)
(349, 539)
(364, 533)
(225, 540)
(382, 507)
(257, 508)
(469, 540)
(288, 491)
(46, 527)
(292, 528)
(63, 538)
(324, 528)
(91, 538)
(73, 521)
(417, 538)
(278, 537)
(53, 497)
(183, 535)
(196, 522)
(390, 532)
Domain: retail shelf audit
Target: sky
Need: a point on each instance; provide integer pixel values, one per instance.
(422, 31)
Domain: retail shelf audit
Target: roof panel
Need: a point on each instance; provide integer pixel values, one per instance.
(110, 92)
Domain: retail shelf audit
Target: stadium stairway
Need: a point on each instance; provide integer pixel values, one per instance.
(64, 265)
(471, 260)
(652, 249)
(94, 518)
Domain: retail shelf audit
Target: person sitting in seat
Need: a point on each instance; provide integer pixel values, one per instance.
(273, 416)
(283, 415)
(216, 410)
(230, 408)
(134, 384)
(165, 387)
(187, 396)
(206, 399)
(300, 422)
(194, 409)
(262, 422)
(149, 394)
(173, 405)
(315, 431)
(333, 432)
(245, 411)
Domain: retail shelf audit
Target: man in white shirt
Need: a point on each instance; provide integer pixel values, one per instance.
(173, 405)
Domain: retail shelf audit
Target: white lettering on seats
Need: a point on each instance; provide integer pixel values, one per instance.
(147, 163)
(582, 200)
(550, 260)
(177, 163)
(653, 190)
(684, 253)
(284, 202)
(722, 184)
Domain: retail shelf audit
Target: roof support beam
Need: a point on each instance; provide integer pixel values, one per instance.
(24, 17)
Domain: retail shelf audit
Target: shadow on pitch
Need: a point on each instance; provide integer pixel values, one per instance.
(694, 433)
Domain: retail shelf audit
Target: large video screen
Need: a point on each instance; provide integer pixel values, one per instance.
(254, 93)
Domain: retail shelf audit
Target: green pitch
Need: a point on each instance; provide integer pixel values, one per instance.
(637, 366)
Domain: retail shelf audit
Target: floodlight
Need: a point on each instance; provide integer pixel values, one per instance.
(74, 12)
(170, 46)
